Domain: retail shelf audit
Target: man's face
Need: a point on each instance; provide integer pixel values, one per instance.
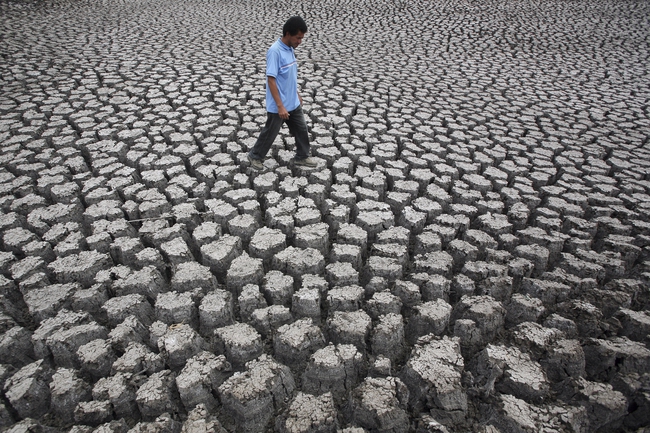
(295, 40)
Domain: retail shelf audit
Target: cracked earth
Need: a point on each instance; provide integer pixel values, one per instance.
(471, 254)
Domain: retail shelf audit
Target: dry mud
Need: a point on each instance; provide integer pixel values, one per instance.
(470, 255)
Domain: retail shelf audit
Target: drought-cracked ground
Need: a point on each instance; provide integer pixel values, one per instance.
(472, 253)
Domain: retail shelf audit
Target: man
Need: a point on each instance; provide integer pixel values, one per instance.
(283, 103)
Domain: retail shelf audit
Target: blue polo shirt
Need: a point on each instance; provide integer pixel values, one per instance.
(281, 64)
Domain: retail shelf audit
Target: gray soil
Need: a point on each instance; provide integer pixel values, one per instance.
(471, 254)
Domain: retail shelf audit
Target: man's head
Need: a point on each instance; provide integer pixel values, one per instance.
(293, 26)
(294, 31)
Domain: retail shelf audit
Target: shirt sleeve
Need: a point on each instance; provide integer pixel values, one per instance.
(272, 63)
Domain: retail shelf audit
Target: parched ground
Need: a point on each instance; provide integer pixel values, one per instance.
(470, 255)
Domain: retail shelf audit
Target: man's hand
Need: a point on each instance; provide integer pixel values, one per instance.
(283, 113)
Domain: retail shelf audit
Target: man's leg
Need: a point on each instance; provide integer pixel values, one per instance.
(266, 137)
(298, 128)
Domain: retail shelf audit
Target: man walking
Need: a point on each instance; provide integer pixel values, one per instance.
(283, 103)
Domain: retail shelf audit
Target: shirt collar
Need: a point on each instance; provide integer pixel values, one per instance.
(284, 46)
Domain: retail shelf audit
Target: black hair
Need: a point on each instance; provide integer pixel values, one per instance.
(294, 25)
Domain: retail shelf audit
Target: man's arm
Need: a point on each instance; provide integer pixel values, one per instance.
(273, 87)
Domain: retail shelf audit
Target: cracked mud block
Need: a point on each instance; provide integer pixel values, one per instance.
(314, 236)
(67, 389)
(28, 391)
(80, 268)
(586, 316)
(428, 318)
(349, 327)
(432, 287)
(162, 423)
(206, 233)
(180, 343)
(265, 243)
(550, 292)
(249, 300)
(462, 252)
(119, 391)
(16, 347)
(124, 250)
(45, 302)
(30, 424)
(119, 308)
(240, 342)
(306, 303)
(433, 374)
(567, 326)
(352, 234)
(200, 378)
(565, 358)
(408, 292)
(64, 343)
(537, 254)
(373, 218)
(523, 308)
(136, 359)
(277, 288)
(65, 319)
(253, 397)
(509, 371)
(388, 268)
(242, 271)
(480, 240)
(412, 219)
(158, 395)
(122, 280)
(434, 263)
(514, 414)
(294, 343)
(608, 301)
(336, 369)
(341, 274)
(90, 300)
(15, 239)
(243, 226)
(308, 413)
(585, 268)
(199, 420)
(177, 251)
(267, 320)
(477, 321)
(218, 255)
(383, 303)
(13, 312)
(297, 262)
(615, 356)
(130, 330)
(96, 358)
(605, 407)
(216, 310)
(387, 337)
(93, 413)
(636, 324)
(346, 298)
(347, 253)
(189, 276)
(174, 308)
(380, 404)
(23, 269)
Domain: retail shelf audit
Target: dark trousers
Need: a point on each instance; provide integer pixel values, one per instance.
(297, 128)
